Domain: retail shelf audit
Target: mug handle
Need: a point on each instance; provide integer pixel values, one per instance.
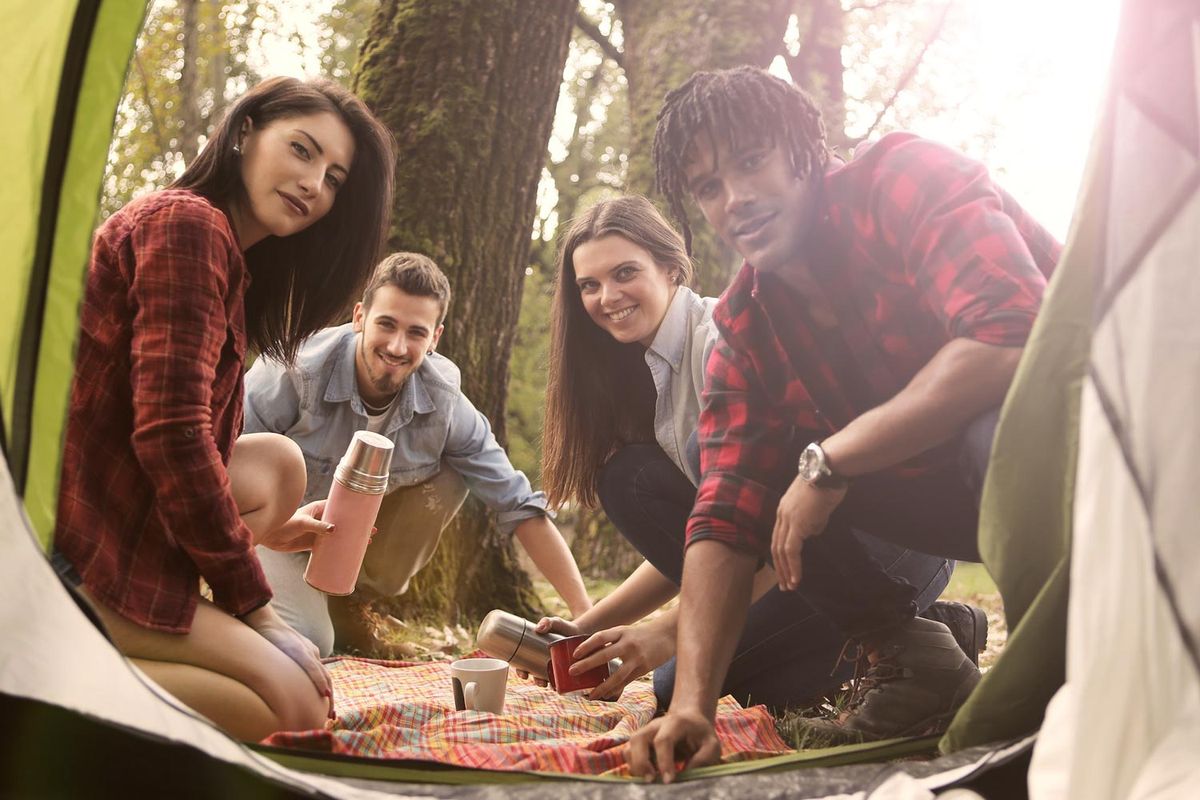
(469, 695)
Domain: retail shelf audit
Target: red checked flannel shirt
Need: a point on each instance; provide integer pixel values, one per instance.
(156, 406)
(916, 246)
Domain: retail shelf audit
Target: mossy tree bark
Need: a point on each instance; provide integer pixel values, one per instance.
(469, 87)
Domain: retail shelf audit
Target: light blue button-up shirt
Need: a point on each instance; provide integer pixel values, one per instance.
(316, 404)
(676, 359)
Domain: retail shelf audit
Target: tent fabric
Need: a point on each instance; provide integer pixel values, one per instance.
(1025, 519)
(1127, 722)
(64, 63)
(398, 710)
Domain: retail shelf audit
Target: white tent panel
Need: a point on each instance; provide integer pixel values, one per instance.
(53, 653)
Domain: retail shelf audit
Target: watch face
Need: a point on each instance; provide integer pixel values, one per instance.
(810, 464)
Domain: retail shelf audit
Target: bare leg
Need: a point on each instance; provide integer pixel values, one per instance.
(219, 646)
(267, 477)
(215, 696)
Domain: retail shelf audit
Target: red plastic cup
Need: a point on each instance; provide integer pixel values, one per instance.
(560, 663)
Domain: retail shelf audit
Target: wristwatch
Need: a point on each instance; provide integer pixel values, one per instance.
(814, 468)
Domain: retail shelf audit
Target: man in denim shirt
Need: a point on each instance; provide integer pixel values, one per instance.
(380, 373)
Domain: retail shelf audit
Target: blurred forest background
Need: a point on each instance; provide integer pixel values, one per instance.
(512, 116)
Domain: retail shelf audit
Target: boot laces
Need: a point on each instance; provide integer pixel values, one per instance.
(867, 676)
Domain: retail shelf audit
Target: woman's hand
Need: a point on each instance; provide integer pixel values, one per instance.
(271, 627)
(641, 648)
(299, 532)
(557, 625)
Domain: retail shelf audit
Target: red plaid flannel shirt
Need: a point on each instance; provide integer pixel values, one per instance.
(156, 405)
(917, 246)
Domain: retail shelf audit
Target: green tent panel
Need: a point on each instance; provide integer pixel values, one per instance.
(67, 61)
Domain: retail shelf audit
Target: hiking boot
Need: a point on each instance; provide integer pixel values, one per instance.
(915, 678)
(968, 624)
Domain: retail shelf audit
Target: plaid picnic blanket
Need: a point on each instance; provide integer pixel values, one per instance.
(400, 710)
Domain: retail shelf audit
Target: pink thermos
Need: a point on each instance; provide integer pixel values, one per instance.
(358, 488)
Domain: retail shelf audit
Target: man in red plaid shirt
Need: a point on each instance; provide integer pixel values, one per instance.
(867, 344)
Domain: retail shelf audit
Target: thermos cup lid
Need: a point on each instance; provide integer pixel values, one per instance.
(364, 468)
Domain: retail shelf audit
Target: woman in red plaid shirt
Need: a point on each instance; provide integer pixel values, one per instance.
(266, 238)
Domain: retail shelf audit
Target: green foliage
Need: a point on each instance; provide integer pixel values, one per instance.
(192, 57)
(342, 30)
(527, 380)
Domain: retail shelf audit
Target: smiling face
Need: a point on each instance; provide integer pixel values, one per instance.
(753, 200)
(622, 288)
(291, 169)
(395, 334)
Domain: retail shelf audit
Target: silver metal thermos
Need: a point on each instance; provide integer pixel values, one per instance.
(511, 638)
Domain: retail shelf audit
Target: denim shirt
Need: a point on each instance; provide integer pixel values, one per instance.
(676, 359)
(316, 404)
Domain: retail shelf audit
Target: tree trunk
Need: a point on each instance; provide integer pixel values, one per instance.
(189, 83)
(665, 42)
(817, 67)
(469, 88)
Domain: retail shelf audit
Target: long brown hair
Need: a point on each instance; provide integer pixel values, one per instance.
(303, 282)
(600, 394)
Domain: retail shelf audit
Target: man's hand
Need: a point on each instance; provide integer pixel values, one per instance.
(641, 648)
(672, 743)
(299, 532)
(804, 511)
(271, 627)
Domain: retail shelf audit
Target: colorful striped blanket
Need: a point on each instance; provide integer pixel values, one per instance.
(398, 710)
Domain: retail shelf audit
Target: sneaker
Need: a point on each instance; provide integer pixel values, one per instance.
(918, 679)
(968, 624)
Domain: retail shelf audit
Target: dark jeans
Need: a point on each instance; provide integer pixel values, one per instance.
(852, 581)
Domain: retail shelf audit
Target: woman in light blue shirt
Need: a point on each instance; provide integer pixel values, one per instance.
(629, 344)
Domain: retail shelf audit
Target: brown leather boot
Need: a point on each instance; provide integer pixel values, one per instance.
(968, 623)
(915, 677)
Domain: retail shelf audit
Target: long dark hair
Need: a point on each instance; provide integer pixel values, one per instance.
(600, 393)
(303, 282)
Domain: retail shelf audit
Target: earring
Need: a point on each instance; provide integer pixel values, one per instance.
(237, 149)
(428, 352)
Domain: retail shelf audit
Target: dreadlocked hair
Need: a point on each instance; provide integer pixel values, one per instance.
(734, 106)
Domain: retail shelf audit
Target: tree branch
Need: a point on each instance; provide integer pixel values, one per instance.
(592, 30)
(909, 73)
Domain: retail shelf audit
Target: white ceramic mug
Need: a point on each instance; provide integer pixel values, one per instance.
(479, 684)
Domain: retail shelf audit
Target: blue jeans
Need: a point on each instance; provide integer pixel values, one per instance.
(788, 652)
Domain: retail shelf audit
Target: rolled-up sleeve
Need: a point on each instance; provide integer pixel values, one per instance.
(178, 291)
(473, 452)
(961, 250)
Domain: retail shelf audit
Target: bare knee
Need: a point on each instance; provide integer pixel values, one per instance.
(268, 478)
(293, 699)
(291, 476)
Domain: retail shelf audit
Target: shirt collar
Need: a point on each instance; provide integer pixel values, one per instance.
(671, 338)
